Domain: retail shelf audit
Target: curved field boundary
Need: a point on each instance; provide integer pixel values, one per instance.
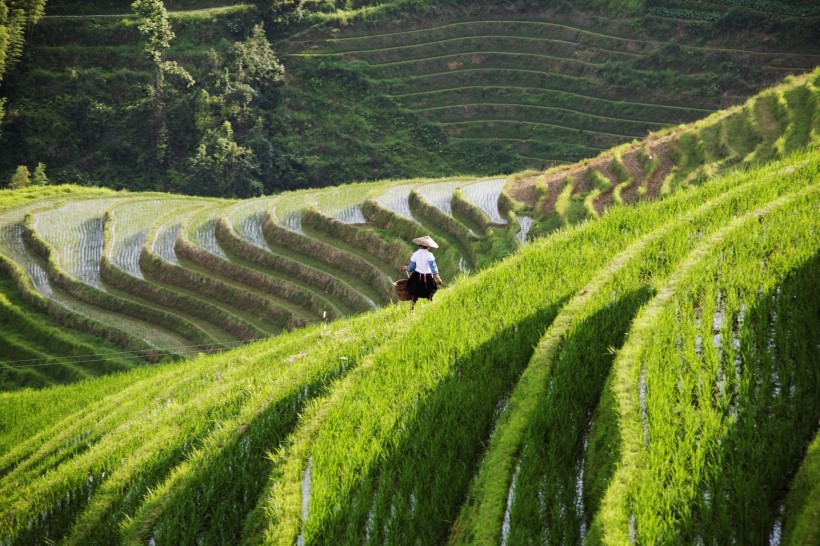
(516, 448)
(338, 294)
(247, 218)
(150, 324)
(287, 211)
(348, 269)
(469, 108)
(130, 223)
(433, 424)
(344, 203)
(502, 121)
(454, 61)
(438, 194)
(485, 195)
(541, 93)
(513, 140)
(76, 229)
(201, 231)
(215, 324)
(629, 509)
(468, 45)
(150, 316)
(388, 251)
(448, 256)
(573, 34)
(444, 222)
(299, 300)
(234, 309)
(39, 353)
(397, 199)
(566, 118)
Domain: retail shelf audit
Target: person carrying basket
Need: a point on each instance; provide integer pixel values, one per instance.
(424, 278)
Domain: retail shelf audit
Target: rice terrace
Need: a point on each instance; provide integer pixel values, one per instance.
(205, 205)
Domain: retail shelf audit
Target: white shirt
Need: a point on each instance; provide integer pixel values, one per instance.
(422, 258)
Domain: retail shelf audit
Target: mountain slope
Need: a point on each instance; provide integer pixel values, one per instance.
(387, 426)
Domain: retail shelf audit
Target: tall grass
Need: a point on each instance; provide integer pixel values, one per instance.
(545, 427)
(709, 383)
(410, 424)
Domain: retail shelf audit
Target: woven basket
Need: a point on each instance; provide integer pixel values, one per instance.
(401, 290)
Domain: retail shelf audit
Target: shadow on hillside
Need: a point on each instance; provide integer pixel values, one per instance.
(415, 493)
(771, 413)
(551, 490)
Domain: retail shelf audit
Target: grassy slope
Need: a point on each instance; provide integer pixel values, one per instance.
(386, 414)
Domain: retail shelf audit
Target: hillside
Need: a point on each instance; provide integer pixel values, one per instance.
(168, 276)
(200, 342)
(648, 377)
(311, 94)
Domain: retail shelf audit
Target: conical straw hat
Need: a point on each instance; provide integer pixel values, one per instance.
(425, 241)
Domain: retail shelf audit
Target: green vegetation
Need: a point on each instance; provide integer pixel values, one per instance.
(153, 271)
(625, 350)
(240, 100)
(550, 392)
(769, 125)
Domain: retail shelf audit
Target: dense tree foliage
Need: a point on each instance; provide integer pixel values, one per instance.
(190, 102)
(15, 17)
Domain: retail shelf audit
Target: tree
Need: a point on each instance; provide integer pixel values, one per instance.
(256, 62)
(39, 178)
(156, 28)
(21, 178)
(15, 16)
(224, 167)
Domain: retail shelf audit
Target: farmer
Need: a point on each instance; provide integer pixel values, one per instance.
(424, 279)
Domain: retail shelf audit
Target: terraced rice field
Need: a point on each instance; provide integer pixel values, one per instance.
(542, 89)
(221, 272)
(607, 384)
(178, 275)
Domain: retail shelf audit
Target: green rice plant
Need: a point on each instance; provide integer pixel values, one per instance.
(542, 437)
(339, 295)
(803, 499)
(362, 454)
(348, 268)
(267, 418)
(163, 418)
(214, 389)
(803, 128)
(689, 411)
